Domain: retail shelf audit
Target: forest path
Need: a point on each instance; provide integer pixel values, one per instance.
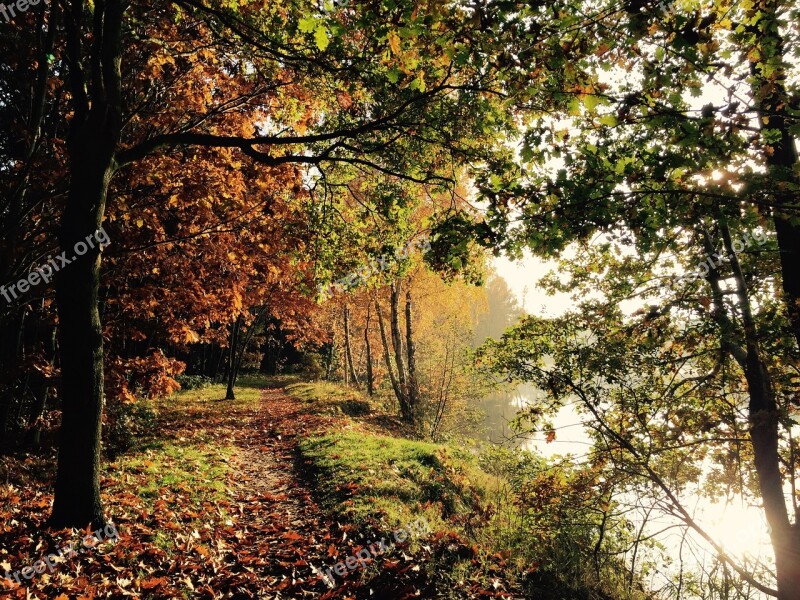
(283, 535)
(213, 502)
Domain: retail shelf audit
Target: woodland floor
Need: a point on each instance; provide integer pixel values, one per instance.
(213, 503)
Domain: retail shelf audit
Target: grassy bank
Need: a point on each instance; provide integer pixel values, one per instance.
(370, 473)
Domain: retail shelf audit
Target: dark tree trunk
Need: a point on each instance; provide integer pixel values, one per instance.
(764, 417)
(772, 103)
(764, 436)
(91, 144)
(397, 339)
(77, 488)
(331, 356)
(234, 340)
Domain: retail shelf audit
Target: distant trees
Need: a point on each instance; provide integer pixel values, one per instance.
(410, 337)
(501, 311)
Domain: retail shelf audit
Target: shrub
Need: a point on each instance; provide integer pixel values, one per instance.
(194, 382)
(124, 422)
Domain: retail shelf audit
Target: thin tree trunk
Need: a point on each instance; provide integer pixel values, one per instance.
(370, 374)
(397, 346)
(348, 350)
(246, 342)
(329, 367)
(234, 340)
(413, 382)
(398, 392)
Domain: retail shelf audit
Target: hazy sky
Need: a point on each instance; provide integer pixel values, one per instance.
(522, 277)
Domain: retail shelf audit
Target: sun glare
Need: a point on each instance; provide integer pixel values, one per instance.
(740, 530)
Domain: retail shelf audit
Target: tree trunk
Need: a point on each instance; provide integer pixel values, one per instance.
(397, 346)
(764, 416)
(93, 138)
(234, 340)
(413, 382)
(77, 488)
(348, 350)
(398, 392)
(772, 102)
(370, 374)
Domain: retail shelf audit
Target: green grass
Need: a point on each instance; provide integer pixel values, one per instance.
(330, 398)
(383, 481)
(368, 478)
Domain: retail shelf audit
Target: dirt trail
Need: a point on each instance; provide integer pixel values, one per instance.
(278, 520)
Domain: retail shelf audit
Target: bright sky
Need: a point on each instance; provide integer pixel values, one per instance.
(522, 276)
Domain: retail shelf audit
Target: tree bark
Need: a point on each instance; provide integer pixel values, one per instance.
(397, 346)
(398, 392)
(77, 488)
(772, 102)
(348, 349)
(91, 145)
(234, 340)
(411, 350)
(764, 415)
(370, 374)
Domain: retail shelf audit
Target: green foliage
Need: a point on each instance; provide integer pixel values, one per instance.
(125, 423)
(193, 382)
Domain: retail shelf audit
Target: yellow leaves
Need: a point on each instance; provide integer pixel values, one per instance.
(307, 25)
(158, 64)
(418, 84)
(190, 336)
(321, 38)
(394, 42)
